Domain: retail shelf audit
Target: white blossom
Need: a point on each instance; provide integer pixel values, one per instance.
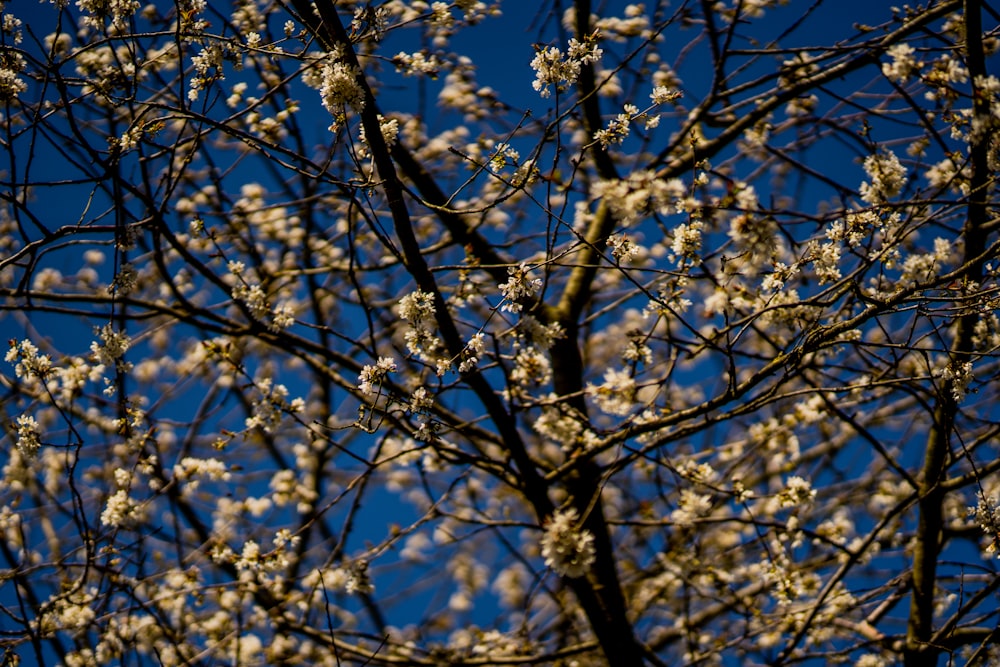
(28, 361)
(371, 377)
(340, 89)
(119, 11)
(959, 376)
(566, 548)
(113, 346)
(120, 509)
(797, 491)
(616, 396)
(417, 307)
(663, 95)
(692, 506)
(888, 177)
(551, 68)
(519, 286)
(190, 469)
(687, 240)
(903, 64)
(28, 436)
(986, 513)
(390, 133)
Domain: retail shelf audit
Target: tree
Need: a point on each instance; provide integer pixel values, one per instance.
(333, 342)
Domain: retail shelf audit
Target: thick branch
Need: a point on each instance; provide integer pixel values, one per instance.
(920, 650)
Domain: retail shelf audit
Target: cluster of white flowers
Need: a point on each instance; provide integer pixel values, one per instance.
(418, 309)
(119, 11)
(755, 234)
(472, 352)
(623, 248)
(417, 306)
(353, 579)
(487, 645)
(190, 469)
(860, 225)
(74, 610)
(797, 68)
(282, 317)
(669, 300)
(461, 92)
(987, 88)
(825, 258)
(903, 64)
(441, 17)
(420, 62)
(986, 333)
(618, 127)
(779, 438)
(531, 367)
(948, 174)
(287, 488)
(28, 362)
(371, 377)
(208, 66)
(636, 351)
(959, 376)
(11, 27)
(750, 8)
(340, 89)
(113, 345)
(519, 286)
(551, 68)
(871, 660)
(11, 528)
(236, 96)
(941, 77)
(616, 396)
(566, 427)
(887, 174)
(357, 580)
(28, 436)
(421, 400)
(120, 510)
(503, 155)
(754, 143)
(368, 21)
(251, 293)
(390, 133)
(687, 240)
(801, 106)
(641, 193)
(775, 281)
(253, 296)
(701, 473)
(543, 336)
(691, 507)
(664, 95)
(270, 127)
(125, 280)
(986, 513)
(11, 66)
(250, 556)
(837, 528)
(567, 549)
(270, 404)
(920, 267)
(797, 491)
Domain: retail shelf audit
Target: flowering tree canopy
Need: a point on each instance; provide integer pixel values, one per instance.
(469, 333)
